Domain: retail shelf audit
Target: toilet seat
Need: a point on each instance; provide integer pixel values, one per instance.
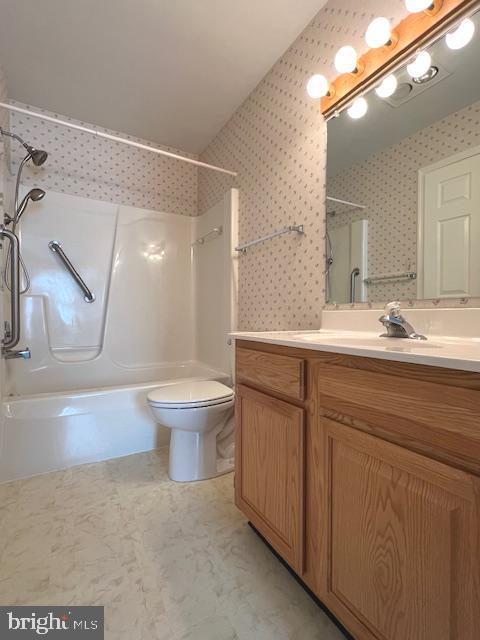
(190, 395)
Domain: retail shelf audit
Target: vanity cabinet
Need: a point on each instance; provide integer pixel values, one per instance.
(367, 483)
(269, 475)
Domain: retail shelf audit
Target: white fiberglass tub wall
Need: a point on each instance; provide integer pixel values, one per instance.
(82, 396)
(138, 265)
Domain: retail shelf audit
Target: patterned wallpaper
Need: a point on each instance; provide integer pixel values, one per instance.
(387, 183)
(276, 141)
(82, 165)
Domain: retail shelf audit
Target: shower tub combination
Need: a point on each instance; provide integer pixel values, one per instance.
(162, 311)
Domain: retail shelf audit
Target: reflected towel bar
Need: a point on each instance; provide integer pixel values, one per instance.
(406, 275)
(56, 247)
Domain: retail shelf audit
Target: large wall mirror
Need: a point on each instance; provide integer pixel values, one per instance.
(403, 186)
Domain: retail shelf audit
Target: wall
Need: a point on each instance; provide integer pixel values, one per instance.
(81, 165)
(387, 183)
(137, 262)
(276, 141)
(215, 269)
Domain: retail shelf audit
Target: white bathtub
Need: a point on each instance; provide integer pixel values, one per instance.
(50, 431)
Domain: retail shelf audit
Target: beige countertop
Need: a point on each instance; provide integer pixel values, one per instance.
(461, 353)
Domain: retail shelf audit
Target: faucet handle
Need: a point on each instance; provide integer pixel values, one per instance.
(393, 309)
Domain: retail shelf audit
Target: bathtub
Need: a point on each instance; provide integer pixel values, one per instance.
(51, 431)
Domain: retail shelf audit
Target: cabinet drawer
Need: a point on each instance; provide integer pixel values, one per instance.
(435, 419)
(283, 374)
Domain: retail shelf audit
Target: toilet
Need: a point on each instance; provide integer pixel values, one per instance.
(201, 417)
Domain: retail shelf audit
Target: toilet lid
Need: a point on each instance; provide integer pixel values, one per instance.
(190, 394)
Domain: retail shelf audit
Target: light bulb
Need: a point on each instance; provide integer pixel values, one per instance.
(378, 33)
(461, 36)
(358, 109)
(387, 88)
(346, 60)
(420, 65)
(317, 86)
(415, 6)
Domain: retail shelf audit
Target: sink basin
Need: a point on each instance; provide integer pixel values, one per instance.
(364, 340)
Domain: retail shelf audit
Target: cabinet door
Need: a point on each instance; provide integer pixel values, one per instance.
(269, 470)
(403, 541)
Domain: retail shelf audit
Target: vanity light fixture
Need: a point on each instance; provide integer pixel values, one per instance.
(429, 6)
(318, 87)
(387, 87)
(420, 65)
(379, 34)
(460, 36)
(346, 60)
(358, 109)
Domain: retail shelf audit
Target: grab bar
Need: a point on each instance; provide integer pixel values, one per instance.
(353, 283)
(12, 337)
(56, 247)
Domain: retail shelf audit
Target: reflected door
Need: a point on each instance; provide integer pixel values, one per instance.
(451, 229)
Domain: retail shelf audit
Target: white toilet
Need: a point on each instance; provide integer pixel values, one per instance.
(201, 417)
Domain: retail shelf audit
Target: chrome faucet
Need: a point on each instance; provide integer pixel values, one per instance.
(396, 325)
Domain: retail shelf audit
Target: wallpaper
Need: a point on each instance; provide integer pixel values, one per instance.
(80, 164)
(277, 142)
(387, 183)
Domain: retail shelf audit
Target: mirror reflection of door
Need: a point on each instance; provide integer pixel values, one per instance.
(449, 228)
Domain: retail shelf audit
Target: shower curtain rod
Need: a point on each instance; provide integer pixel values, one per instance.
(107, 136)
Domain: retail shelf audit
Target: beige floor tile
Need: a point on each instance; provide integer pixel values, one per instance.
(168, 561)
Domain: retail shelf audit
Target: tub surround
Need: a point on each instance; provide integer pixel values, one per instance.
(364, 475)
(453, 337)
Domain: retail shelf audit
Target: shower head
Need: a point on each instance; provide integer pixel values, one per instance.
(34, 195)
(38, 156)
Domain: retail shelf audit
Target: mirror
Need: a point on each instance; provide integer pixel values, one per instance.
(403, 187)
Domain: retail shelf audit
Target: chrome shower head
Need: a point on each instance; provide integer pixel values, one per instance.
(38, 156)
(34, 195)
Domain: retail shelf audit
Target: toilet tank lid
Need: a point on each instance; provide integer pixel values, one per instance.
(190, 392)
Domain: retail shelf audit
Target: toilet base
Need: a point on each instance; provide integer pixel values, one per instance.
(193, 456)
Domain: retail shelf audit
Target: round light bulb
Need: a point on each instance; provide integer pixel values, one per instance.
(378, 33)
(461, 36)
(387, 88)
(317, 86)
(358, 109)
(420, 65)
(415, 6)
(346, 60)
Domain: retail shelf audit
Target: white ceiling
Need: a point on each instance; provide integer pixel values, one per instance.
(170, 71)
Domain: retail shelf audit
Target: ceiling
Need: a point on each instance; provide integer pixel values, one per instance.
(169, 71)
(352, 141)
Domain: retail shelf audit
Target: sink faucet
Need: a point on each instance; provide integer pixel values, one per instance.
(396, 325)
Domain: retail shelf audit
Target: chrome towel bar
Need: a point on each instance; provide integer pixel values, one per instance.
(406, 275)
(216, 231)
(56, 247)
(293, 227)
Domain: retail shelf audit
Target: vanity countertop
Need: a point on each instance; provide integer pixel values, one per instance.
(437, 351)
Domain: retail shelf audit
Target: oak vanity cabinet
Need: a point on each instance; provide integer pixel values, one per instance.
(365, 478)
